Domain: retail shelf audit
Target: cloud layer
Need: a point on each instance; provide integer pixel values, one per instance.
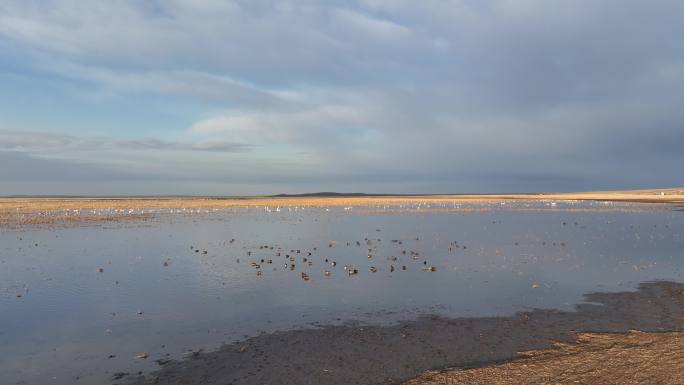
(222, 97)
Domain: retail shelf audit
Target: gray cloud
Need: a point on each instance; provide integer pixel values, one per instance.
(42, 142)
(21, 167)
(156, 144)
(468, 95)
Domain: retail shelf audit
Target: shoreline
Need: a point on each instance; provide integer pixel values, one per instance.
(669, 195)
(637, 196)
(634, 357)
(19, 212)
(410, 351)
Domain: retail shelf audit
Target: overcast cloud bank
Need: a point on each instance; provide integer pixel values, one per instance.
(253, 97)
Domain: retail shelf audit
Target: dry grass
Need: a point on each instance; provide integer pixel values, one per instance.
(631, 358)
(670, 195)
(37, 211)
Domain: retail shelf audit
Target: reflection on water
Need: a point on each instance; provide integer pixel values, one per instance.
(82, 303)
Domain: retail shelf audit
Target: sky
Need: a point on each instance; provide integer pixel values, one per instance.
(127, 97)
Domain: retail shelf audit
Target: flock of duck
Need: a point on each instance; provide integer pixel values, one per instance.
(292, 259)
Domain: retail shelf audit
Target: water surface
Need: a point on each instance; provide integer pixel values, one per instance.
(78, 304)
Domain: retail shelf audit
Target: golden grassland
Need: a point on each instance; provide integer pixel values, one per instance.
(84, 203)
(37, 211)
(629, 358)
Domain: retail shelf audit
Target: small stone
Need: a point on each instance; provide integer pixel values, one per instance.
(119, 375)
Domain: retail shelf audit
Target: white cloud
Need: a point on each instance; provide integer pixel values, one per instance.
(282, 127)
(367, 27)
(187, 83)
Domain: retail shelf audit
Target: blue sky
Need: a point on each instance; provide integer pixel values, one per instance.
(261, 97)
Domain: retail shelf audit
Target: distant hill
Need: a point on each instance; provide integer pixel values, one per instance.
(330, 194)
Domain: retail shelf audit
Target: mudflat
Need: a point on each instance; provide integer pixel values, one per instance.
(563, 352)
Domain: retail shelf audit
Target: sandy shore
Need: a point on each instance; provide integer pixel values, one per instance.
(617, 358)
(364, 354)
(64, 211)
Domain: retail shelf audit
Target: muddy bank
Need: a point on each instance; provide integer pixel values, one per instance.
(362, 354)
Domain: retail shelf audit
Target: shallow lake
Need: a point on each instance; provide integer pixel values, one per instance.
(78, 304)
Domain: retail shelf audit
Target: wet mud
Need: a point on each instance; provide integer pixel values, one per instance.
(375, 354)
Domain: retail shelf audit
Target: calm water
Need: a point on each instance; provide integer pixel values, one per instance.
(63, 321)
